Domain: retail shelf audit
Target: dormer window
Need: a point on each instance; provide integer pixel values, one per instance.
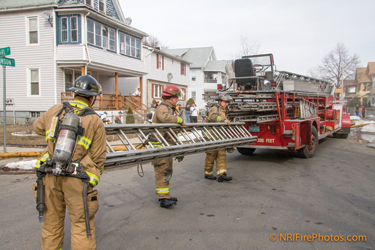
(101, 5)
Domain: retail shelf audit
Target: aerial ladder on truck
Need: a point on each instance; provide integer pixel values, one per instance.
(284, 110)
(142, 143)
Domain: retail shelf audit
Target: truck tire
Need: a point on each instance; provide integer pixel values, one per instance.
(246, 151)
(309, 150)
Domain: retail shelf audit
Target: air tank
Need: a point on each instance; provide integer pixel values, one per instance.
(65, 142)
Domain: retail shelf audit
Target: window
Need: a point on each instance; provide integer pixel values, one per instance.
(98, 34)
(89, 2)
(183, 91)
(70, 76)
(364, 86)
(183, 69)
(34, 114)
(351, 90)
(193, 95)
(157, 91)
(129, 45)
(105, 37)
(64, 29)
(34, 82)
(73, 29)
(112, 39)
(33, 30)
(90, 31)
(69, 29)
(159, 61)
(193, 76)
(101, 5)
(101, 35)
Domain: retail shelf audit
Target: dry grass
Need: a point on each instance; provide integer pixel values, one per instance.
(22, 140)
(29, 140)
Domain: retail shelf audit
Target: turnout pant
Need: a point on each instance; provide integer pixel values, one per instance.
(221, 166)
(163, 173)
(63, 192)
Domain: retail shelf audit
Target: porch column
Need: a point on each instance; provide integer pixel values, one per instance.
(83, 70)
(141, 86)
(116, 90)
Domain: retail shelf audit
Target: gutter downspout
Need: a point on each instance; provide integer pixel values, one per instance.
(84, 23)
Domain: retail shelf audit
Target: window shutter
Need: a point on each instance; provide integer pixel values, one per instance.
(157, 62)
(162, 62)
(184, 94)
(185, 69)
(152, 90)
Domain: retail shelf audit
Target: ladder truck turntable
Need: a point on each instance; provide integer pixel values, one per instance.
(283, 110)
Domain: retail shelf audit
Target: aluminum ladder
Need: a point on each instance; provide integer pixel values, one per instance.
(142, 143)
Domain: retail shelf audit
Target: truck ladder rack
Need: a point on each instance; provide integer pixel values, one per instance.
(151, 144)
(321, 85)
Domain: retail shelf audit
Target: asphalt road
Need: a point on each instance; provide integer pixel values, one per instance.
(273, 192)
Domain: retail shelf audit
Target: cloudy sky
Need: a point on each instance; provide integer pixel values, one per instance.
(298, 32)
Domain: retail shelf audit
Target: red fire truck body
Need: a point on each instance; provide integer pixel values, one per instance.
(284, 110)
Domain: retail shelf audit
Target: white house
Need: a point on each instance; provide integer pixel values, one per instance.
(206, 71)
(162, 69)
(55, 41)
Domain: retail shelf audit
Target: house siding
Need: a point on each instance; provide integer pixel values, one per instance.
(13, 34)
(113, 60)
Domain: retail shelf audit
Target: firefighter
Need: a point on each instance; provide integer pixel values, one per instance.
(166, 113)
(72, 190)
(217, 114)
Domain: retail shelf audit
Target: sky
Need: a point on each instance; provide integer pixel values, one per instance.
(299, 33)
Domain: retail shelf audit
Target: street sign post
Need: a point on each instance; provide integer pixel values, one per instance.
(5, 62)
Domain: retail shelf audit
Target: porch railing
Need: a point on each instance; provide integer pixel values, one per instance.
(108, 102)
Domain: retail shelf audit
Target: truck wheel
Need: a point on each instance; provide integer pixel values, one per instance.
(246, 151)
(309, 150)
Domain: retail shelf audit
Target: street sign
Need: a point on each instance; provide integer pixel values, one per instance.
(5, 51)
(7, 61)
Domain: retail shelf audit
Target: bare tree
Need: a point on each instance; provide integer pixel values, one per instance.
(338, 65)
(153, 41)
(247, 47)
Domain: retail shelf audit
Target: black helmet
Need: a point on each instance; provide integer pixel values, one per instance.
(86, 85)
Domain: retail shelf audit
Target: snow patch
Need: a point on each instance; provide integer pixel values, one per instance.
(23, 133)
(21, 165)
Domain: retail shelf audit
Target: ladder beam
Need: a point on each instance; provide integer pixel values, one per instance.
(193, 139)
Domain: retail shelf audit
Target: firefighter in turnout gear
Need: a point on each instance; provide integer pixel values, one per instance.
(166, 113)
(69, 184)
(217, 114)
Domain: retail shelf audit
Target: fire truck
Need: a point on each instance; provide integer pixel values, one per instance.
(283, 110)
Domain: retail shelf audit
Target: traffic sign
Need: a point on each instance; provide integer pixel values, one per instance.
(7, 61)
(5, 51)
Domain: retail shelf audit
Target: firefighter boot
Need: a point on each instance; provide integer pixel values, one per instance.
(210, 177)
(168, 202)
(224, 177)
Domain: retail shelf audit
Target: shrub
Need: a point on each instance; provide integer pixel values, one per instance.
(190, 101)
(130, 117)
